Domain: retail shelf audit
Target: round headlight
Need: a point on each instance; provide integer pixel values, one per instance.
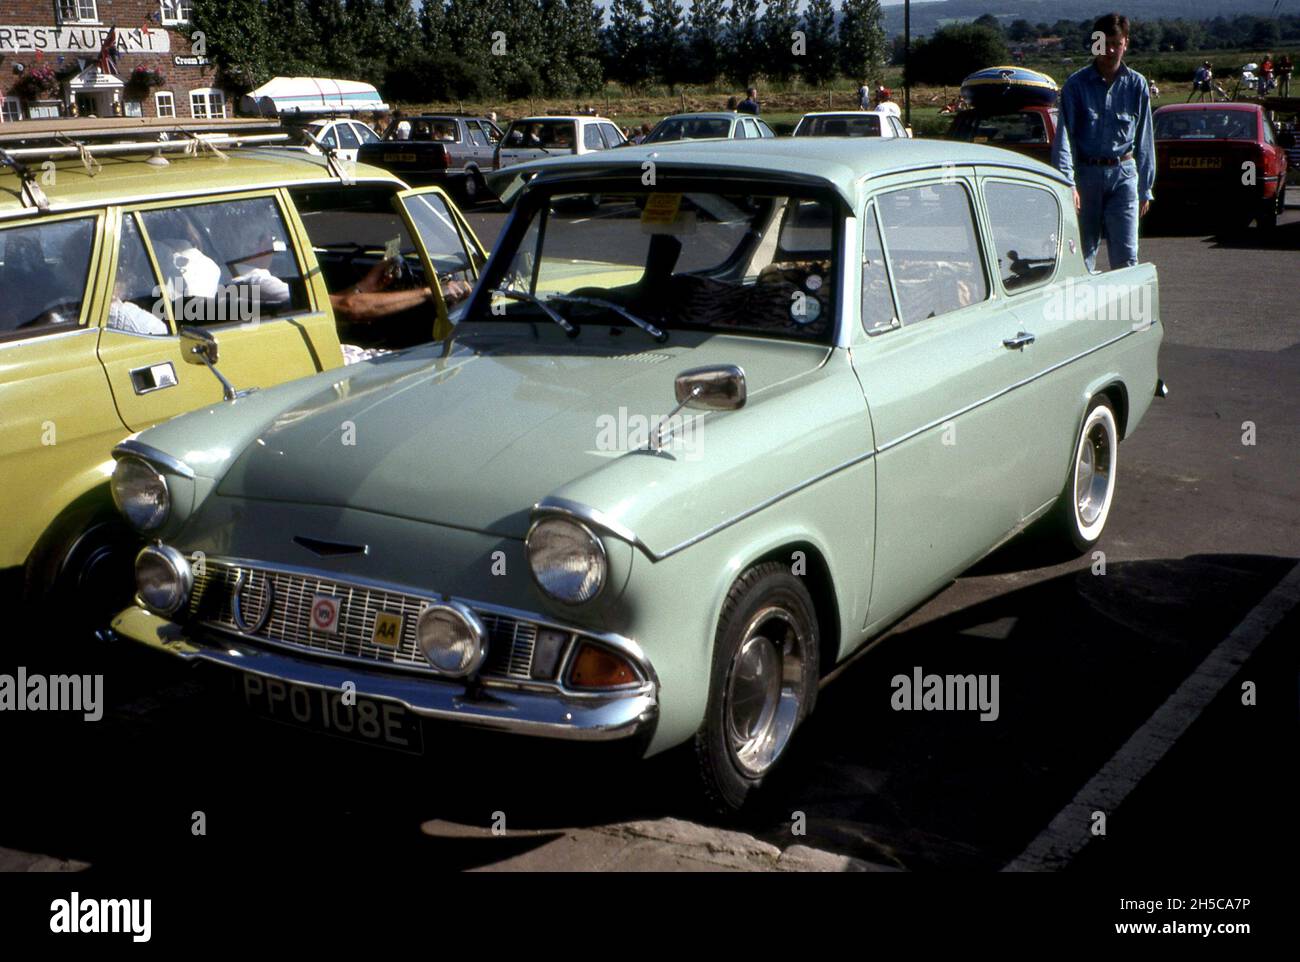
(163, 579)
(140, 493)
(568, 561)
(452, 638)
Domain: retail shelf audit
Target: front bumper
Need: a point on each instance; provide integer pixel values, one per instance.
(586, 717)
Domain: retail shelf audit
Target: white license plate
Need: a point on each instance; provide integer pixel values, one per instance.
(371, 721)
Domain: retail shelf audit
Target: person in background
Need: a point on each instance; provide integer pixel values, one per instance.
(885, 103)
(1105, 147)
(1201, 82)
(1284, 68)
(1266, 75)
(864, 96)
(645, 132)
(750, 104)
(731, 103)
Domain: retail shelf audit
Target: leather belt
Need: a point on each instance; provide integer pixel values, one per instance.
(1106, 161)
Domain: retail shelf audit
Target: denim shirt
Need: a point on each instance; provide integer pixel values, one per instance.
(1100, 120)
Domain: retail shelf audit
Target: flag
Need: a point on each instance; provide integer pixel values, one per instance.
(108, 52)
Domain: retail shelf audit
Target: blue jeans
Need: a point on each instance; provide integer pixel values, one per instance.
(1108, 204)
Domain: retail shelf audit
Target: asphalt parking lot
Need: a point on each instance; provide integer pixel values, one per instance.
(1121, 691)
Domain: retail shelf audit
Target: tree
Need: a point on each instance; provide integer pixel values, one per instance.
(819, 64)
(625, 43)
(1021, 31)
(706, 42)
(239, 40)
(952, 53)
(990, 21)
(780, 20)
(665, 43)
(863, 50)
(744, 42)
(1144, 35)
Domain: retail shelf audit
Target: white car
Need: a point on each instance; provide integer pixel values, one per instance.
(850, 123)
(535, 138)
(709, 125)
(343, 134)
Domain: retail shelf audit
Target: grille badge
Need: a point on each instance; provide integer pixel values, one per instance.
(250, 610)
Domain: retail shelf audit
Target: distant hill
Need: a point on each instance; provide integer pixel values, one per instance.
(928, 16)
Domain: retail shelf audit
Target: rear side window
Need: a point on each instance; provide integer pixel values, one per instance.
(741, 133)
(330, 139)
(347, 139)
(43, 271)
(1025, 222)
(933, 249)
(227, 261)
(591, 138)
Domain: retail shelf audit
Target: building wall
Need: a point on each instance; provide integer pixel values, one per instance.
(129, 16)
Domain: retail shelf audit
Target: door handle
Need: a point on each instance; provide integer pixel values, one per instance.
(155, 377)
(1018, 342)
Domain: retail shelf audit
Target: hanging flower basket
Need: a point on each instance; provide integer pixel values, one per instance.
(37, 82)
(145, 78)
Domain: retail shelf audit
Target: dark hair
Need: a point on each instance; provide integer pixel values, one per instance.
(1111, 24)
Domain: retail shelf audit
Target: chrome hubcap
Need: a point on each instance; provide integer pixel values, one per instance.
(1092, 473)
(763, 691)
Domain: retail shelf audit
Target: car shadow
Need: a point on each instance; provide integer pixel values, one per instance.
(1081, 661)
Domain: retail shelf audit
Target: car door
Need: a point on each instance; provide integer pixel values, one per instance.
(349, 144)
(933, 368)
(57, 420)
(232, 265)
(448, 247)
(479, 147)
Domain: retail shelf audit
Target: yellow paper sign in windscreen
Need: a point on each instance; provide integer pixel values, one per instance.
(661, 208)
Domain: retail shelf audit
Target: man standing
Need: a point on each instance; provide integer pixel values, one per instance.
(885, 103)
(1105, 146)
(750, 104)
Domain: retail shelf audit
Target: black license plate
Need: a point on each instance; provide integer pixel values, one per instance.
(371, 721)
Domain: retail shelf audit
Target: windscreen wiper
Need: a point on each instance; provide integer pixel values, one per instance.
(556, 316)
(618, 309)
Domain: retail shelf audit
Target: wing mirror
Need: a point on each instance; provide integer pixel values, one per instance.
(717, 388)
(199, 346)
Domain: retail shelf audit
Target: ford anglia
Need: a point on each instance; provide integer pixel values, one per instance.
(673, 464)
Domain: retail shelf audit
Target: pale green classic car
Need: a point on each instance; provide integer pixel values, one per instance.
(685, 451)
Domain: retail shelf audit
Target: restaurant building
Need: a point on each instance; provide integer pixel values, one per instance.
(53, 61)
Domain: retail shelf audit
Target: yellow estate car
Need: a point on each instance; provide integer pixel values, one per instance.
(122, 273)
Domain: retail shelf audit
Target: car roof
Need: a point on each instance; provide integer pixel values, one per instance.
(842, 113)
(128, 179)
(544, 117)
(829, 160)
(1232, 105)
(707, 114)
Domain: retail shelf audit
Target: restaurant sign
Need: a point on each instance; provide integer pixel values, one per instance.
(81, 40)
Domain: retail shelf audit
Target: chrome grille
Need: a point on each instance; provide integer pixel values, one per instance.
(510, 640)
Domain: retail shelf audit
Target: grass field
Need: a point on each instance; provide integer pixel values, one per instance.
(783, 105)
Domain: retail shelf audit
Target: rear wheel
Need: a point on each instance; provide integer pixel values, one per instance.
(1271, 210)
(763, 683)
(1085, 501)
(471, 187)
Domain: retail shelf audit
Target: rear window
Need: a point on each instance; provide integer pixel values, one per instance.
(43, 271)
(867, 125)
(1019, 128)
(691, 128)
(550, 134)
(1205, 125)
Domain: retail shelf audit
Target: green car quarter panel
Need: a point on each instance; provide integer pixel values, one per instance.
(889, 455)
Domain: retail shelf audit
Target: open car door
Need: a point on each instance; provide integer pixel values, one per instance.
(446, 244)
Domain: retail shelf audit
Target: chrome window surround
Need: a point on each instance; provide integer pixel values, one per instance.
(157, 458)
(504, 668)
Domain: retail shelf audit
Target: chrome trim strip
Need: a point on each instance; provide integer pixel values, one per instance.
(154, 456)
(581, 512)
(881, 448)
(33, 337)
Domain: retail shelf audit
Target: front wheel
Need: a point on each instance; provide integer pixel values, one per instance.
(763, 683)
(1085, 502)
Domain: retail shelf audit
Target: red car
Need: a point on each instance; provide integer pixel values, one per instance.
(1225, 158)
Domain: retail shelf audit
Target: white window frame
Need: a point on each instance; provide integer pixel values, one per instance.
(78, 8)
(11, 104)
(157, 103)
(207, 93)
(176, 11)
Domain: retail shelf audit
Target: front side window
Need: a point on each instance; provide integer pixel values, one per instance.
(878, 312)
(612, 136)
(1025, 222)
(933, 249)
(366, 135)
(476, 135)
(441, 237)
(176, 11)
(347, 139)
(164, 103)
(763, 263)
(227, 261)
(207, 103)
(137, 305)
(77, 11)
(43, 271)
